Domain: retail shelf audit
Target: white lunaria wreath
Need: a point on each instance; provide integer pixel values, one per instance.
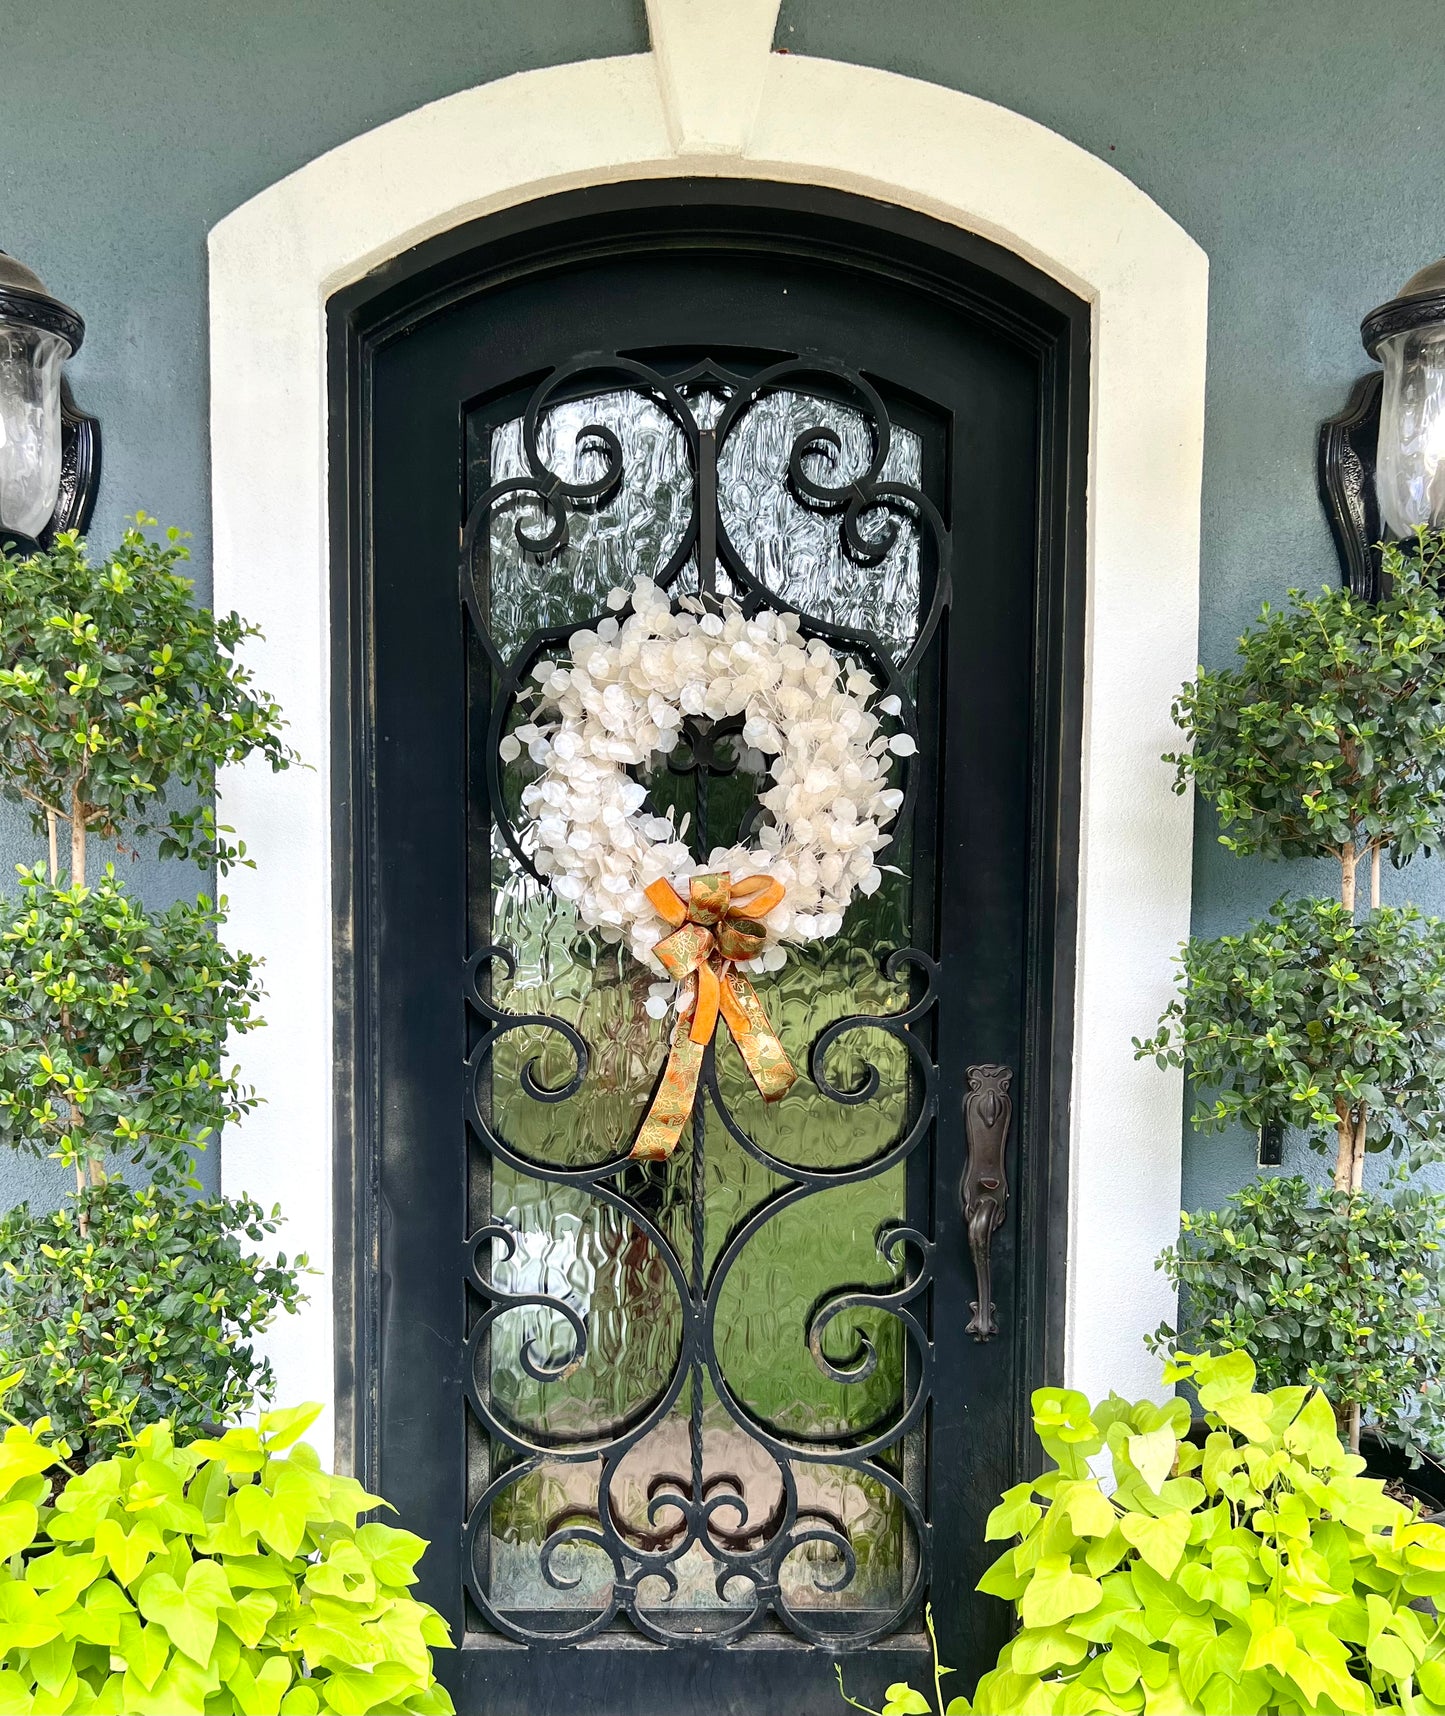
(621, 698)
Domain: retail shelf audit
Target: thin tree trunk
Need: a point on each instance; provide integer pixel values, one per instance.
(77, 838)
(77, 1124)
(1344, 1146)
(87, 1170)
(1351, 1123)
(1357, 1159)
(53, 832)
(1349, 858)
(1375, 877)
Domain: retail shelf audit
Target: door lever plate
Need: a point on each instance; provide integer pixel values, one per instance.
(987, 1116)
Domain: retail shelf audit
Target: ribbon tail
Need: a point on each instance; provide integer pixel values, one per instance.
(763, 1054)
(673, 1103)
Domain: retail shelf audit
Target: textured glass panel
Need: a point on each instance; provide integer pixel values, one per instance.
(795, 551)
(638, 530)
(818, 1376)
(557, 1495)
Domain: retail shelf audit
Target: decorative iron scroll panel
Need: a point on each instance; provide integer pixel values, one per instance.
(698, 1389)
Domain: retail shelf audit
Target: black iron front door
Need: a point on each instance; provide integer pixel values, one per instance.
(682, 1431)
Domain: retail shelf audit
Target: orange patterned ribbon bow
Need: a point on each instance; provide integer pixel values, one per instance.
(718, 925)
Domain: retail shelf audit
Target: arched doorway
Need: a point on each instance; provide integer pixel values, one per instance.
(734, 1402)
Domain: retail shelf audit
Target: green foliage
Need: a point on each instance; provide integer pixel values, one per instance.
(133, 1305)
(1308, 1013)
(114, 686)
(227, 1575)
(1258, 1573)
(1344, 1293)
(114, 1026)
(1330, 731)
(1326, 737)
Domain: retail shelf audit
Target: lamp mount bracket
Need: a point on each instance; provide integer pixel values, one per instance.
(1346, 469)
(79, 468)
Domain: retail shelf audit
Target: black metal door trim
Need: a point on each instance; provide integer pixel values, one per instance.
(987, 285)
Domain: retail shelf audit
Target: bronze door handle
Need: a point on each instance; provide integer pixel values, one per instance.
(987, 1114)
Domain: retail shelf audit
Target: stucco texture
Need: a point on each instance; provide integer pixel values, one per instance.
(1301, 150)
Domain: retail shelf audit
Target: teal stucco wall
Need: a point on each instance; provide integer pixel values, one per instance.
(1299, 142)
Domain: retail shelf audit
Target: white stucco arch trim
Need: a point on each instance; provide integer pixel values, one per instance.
(711, 97)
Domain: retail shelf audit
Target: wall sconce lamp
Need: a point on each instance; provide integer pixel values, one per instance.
(1382, 459)
(49, 448)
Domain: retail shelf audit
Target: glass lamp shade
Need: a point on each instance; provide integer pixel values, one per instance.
(1408, 337)
(30, 363)
(37, 334)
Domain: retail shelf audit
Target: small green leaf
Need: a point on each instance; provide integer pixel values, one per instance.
(902, 1700)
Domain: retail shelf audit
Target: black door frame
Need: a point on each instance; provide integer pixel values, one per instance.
(990, 286)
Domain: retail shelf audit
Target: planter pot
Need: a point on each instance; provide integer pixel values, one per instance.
(1426, 1482)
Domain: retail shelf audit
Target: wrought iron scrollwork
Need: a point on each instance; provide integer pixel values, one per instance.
(987, 1114)
(747, 1531)
(855, 499)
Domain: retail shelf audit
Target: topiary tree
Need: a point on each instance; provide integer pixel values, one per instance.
(1341, 1293)
(1326, 740)
(132, 1303)
(1313, 1020)
(135, 1304)
(116, 688)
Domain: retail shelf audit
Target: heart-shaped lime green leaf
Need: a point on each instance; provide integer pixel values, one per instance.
(902, 1700)
(1036, 1650)
(354, 1692)
(1218, 1375)
(1062, 1415)
(1090, 1511)
(189, 1623)
(261, 1693)
(22, 1457)
(1160, 1542)
(143, 1648)
(1013, 1516)
(127, 1553)
(393, 1553)
(301, 1700)
(26, 1619)
(289, 1424)
(18, 1523)
(1153, 1455)
(1055, 1592)
(1431, 1676)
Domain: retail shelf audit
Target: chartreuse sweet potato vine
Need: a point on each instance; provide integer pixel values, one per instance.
(229, 1575)
(1257, 1574)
